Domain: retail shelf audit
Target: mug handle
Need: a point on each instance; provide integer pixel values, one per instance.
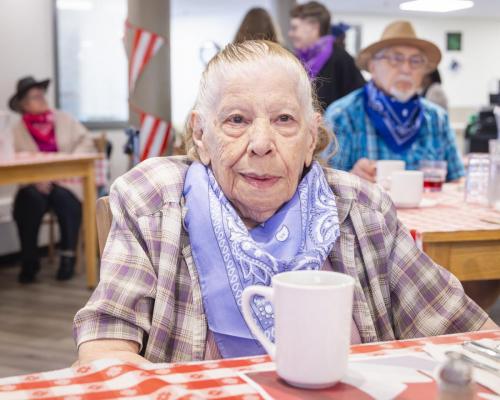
(246, 298)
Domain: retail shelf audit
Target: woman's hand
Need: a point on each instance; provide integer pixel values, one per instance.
(44, 187)
(365, 169)
(125, 350)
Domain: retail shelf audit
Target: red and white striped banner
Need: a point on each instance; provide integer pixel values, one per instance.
(153, 136)
(145, 45)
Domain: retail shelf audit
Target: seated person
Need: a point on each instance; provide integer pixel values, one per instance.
(432, 89)
(257, 24)
(249, 201)
(330, 66)
(44, 130)
(387, 119)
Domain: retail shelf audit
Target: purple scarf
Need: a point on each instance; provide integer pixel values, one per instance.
(316, 56)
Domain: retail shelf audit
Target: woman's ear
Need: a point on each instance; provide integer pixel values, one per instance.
(312, 138)
(199, 138)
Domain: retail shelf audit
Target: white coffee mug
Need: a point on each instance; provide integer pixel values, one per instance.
(407, 188)
(313, 315)
(385, 169)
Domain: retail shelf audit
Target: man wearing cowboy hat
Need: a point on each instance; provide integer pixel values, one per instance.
(387, 119)
(42, 129)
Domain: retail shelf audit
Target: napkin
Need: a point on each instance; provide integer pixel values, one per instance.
(366, 377)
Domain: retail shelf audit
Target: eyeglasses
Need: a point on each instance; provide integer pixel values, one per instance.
(397, 60)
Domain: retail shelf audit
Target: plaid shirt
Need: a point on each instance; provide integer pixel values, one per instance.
(358, 139)
(149, 290)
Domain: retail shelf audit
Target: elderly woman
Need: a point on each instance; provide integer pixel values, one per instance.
(42, 129)
(189, 234)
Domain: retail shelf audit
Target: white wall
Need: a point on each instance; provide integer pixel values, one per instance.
(26, 42)
(479, 58)
(194, 22)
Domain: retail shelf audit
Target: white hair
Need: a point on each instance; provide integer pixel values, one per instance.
(242, 59)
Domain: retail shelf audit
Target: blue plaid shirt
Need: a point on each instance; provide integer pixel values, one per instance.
(357, 137)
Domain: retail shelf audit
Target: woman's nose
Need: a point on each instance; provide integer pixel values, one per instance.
(261, 141)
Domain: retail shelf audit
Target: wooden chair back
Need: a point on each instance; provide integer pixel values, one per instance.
(100, 142)
(103, 219)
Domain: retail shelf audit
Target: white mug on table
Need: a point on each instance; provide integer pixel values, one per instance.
(313, 314)
(407, 188)
(385, 169)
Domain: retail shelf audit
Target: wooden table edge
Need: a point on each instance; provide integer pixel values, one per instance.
(461, 236)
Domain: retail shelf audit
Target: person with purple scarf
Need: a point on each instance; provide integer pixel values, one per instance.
(387, 119)
(329, 65)
(249, 201)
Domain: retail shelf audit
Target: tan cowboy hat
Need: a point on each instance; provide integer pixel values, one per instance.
(400, 33)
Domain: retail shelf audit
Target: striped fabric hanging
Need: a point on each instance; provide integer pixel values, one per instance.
(145, 45)
(153, 136)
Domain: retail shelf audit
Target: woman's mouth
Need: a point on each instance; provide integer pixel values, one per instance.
(260, 181)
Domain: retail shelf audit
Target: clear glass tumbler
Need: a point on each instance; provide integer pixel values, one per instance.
(477, 180)
(434, 174)
(494, 175)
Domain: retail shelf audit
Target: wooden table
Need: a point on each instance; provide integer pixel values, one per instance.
(463, 238)
(39, 167)
(233, 378)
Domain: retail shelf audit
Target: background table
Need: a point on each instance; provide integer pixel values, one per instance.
(110, 379)
(464, 238)
(39, 167)
(458, 235)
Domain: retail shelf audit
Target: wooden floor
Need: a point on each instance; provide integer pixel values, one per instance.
(36, 321)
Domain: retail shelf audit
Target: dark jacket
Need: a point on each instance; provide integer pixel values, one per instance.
(338, 77)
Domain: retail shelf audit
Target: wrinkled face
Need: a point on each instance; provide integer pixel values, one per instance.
(398, 71)
(34, 102)
(303, 32)
(257, 140)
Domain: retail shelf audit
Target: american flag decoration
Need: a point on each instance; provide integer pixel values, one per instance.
(145, 45)
(417, 237)
(153, 136)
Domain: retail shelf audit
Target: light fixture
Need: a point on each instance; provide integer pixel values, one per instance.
(436, 5)
(74, 5)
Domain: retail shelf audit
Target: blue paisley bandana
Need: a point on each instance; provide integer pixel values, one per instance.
(228, 257)
(397, 123)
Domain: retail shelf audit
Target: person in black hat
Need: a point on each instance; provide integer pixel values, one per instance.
(42, 129)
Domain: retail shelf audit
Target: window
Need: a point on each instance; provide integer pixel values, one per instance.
(91, 61)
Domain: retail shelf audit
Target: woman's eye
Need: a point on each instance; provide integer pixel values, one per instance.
(236, 119)
(285, 118)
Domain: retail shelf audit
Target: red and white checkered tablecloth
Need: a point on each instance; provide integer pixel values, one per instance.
(101, 174)
(448, 212)
(220, 379)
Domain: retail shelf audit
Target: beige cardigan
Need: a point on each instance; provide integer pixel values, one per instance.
(71, 137)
